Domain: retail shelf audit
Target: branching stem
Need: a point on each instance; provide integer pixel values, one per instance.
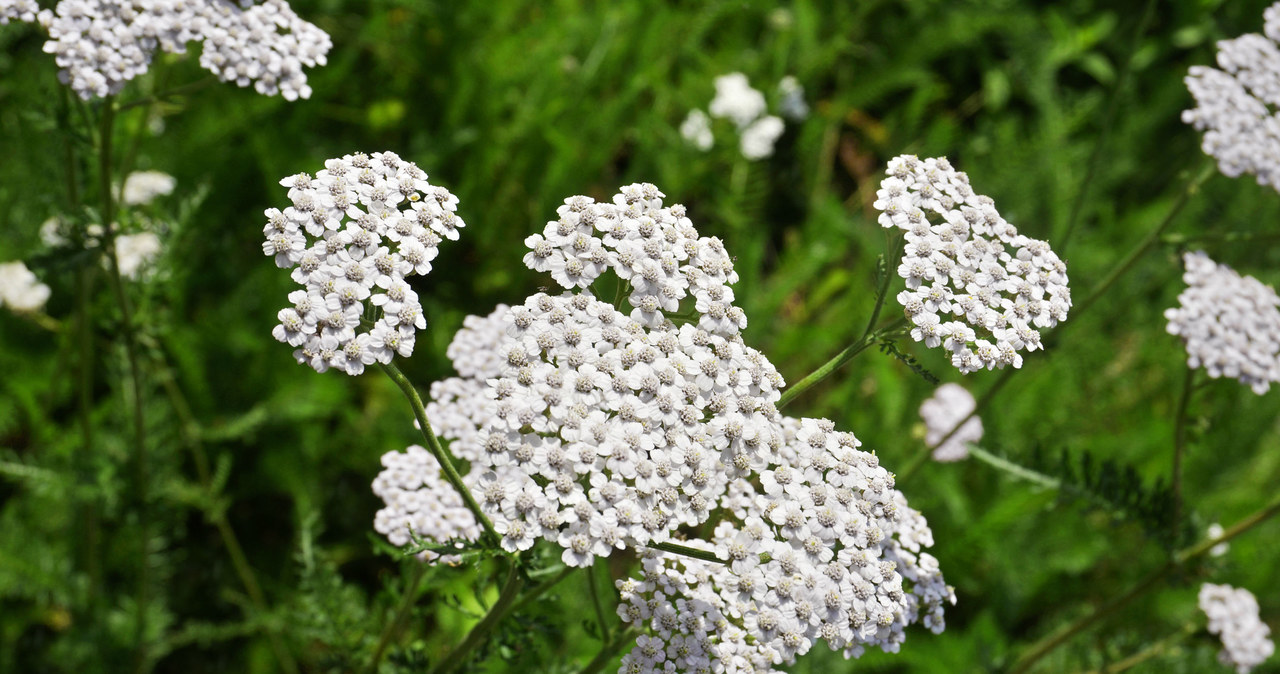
(441, 456)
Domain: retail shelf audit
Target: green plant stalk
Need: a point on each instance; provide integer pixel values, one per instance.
(595, 601)
(216, 515)
(506, 601)
(1046, 645)
(676, 548)
(609, 650)
(106, 128)
(407, 600)
(922, 457)
(1154, 650)
(1180, 446)
(541, 588)
(1152, 238)
(1012, 468)
(859, 345)
(1219, 237)
(433, 443)
(1109, 117)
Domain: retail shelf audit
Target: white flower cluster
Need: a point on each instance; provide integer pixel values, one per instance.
(135, 252)
(338, 237)
(18, 10)
(656, 250)
(142, 187)
(1214, 531)
(1233, 616)
(20, 290)
(962, 267)
(102, 44)
(419, 500)
(616, 435)
(1235, 105)
(738, 102)
(1230, 324)
(823, 548)
(950, 404)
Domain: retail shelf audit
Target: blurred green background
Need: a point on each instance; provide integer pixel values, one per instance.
(515, 106)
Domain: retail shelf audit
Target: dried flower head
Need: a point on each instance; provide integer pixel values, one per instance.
(995, 285)
(1229, 323)
(354, 234)
(1235, 104)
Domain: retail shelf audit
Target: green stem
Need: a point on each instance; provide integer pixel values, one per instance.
(190, 431)
(609, 650)
(1046, 645)
(506, 601)
(106, 128)
(407, 600)
(1014, 469)
(1219, 237)
(1180, 446)
(1152, 237)
(441, 456)
(1113, 104)
(676, 548)
(595, 601)
(922, 457)
(169, 93)
(541, 588)
(859, 345)
(1154, 650)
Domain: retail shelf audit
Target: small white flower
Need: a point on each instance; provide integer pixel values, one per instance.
(758, 138)
(696, 129)
(20, 290)
(1233, 616)
(142, 187)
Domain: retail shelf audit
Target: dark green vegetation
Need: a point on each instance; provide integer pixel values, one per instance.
(515, 106)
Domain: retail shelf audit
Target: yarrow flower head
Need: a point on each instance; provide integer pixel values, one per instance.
(418, 500)
(1236, 104)
(353, 236)
(142, 187)
(820, 547)
(950, 404)
(1233, 616)
(20, 290)
(996, 286)
(102, 44)
(18, 10)
(134, 252)
(737, 101)
(614, 435)
(1229, 323)
(654, 249)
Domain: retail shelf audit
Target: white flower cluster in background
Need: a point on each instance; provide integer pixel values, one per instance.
(354, 234)
(1214, 531)
(142, 187)
(950, 404)
(420, 500)
(1233, 616)
(1236, 104)
(20, 290)
(618, 435)
(975, 286)
(745, 107)
(821, 547)
(18, 10)
(655, 250)
(135, 252)
(1230, 323)
(102, 44)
